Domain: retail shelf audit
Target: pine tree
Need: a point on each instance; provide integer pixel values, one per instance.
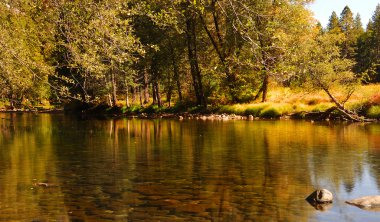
(358, 25)
(347, 25)
(333, 25)
(368, 52)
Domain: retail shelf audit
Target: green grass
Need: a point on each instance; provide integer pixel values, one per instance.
(321, 107)
(255, 109)
(263, 110)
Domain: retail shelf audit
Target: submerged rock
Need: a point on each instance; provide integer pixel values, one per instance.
(367, 202)
(320, 197)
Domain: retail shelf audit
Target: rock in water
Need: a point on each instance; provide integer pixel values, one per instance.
(320, 197)
(366, 202)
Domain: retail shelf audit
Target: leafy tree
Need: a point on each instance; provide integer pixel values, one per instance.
(23, 68)
(99, 41)
(271, 34)
(328, 71)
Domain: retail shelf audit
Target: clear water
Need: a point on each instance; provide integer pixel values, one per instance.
(59, 168)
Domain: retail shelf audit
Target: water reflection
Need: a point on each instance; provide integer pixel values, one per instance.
(167, 170)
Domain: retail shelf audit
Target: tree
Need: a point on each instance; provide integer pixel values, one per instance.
(24, 70)
(271, 33)
(328, 71)
(334, 25)
(347, 25)
(100, 46)
(368, 53)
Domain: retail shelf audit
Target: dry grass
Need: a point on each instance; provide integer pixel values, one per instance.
(282, 101)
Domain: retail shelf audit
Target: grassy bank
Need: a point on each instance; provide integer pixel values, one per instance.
(281, 102)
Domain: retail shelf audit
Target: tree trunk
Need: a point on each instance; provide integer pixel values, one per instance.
(140, 95)
(127, 96)
(133, 94)
(114, 88)
(146, 87)
(154, 93)
(109, 97)
(170, 89)
(176, 73)
(192, 54)
(231, 77)
(349, 114)
(265, 87)
(159, 102)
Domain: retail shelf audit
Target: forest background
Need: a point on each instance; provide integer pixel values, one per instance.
(262, 58)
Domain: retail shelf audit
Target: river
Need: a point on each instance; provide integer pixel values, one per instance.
(60, 168)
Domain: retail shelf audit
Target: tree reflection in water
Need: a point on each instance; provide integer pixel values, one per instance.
(168, 170)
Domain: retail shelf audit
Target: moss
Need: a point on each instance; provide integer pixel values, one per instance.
(374, 112)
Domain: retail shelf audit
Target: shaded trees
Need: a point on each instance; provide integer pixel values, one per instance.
(98, 46)
(368, 57)
(203, 52)
(24, 40)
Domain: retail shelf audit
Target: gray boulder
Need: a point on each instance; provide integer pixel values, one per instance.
(367, 202)
(321, 196)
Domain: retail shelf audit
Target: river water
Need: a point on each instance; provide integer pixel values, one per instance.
(59, 168)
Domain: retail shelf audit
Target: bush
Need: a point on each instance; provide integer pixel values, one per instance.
(374, 112)
(132, 109)
(152, 109)
(270, 112)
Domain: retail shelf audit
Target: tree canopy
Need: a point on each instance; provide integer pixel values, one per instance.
(202, 52)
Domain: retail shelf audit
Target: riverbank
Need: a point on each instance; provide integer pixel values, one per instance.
(283, 103)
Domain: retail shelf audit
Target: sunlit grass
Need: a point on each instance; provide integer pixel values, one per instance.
(284, 101)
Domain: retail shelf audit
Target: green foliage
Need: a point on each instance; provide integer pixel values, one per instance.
(276, 111)
(197, 51)
(271, 112)
(23, 69)
(152, 109)
(374, 112)
(334, 25)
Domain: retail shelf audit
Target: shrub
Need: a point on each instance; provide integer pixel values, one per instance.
(374, 112)
(152, 109)
(270, 112)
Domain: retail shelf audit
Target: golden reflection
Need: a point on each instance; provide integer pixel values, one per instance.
(168, 170)
(27, 159)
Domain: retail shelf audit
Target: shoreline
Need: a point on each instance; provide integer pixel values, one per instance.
(117, 112)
